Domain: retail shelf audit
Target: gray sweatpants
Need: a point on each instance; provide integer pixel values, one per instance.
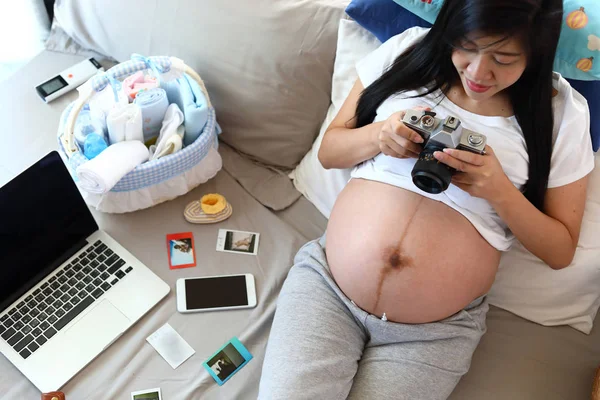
(322, 346)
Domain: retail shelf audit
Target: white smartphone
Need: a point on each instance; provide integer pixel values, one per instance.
(211, 293)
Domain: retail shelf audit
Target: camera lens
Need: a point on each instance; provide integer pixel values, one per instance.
(429, 174)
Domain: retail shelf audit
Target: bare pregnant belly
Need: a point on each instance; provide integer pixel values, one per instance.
(396, 252)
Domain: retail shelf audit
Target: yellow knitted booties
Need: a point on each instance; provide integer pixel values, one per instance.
(213, 203)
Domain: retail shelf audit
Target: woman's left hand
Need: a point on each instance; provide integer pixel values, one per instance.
(479, 175)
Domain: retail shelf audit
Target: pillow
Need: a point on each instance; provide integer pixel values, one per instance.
(384, 18)
(591, 91)
(524, 284)
(317, 184)
(527, 287)
(59, 41)
(267, 69)
(579, 38)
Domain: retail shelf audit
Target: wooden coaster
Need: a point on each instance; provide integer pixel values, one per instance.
(596, 386)
(193, 213)
(53, 396)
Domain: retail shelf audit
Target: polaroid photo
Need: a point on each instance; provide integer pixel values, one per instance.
(148, 394)
(237, 242)
(228, 360)
(180, 247)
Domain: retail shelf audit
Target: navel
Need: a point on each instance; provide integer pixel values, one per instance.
(394, 260)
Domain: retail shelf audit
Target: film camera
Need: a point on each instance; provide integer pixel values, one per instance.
(429, 174)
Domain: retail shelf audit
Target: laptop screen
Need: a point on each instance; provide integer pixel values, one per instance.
(43, 221)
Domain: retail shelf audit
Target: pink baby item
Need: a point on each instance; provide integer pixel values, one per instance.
(136, 82)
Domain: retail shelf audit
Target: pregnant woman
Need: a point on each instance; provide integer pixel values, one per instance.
(390, 303)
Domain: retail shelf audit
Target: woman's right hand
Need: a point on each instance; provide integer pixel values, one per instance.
(397, 140)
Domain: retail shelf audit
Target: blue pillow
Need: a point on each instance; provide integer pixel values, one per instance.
(591, 91)
(385, 18)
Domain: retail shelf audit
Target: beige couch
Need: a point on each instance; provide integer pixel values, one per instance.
(268, 68)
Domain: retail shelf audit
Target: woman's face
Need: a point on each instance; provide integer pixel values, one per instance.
(487, 64)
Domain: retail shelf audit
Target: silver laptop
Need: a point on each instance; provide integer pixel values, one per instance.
(67, 289)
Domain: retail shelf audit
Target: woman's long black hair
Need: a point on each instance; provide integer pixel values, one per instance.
(428, 64)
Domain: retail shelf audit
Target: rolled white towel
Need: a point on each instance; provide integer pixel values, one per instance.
(102, 173)
(124, 123)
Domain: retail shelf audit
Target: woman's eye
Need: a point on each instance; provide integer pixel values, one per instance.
(499, 62)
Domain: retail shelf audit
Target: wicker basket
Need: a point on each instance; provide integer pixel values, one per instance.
(155, 181)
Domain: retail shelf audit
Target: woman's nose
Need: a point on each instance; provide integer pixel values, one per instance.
(480, 69)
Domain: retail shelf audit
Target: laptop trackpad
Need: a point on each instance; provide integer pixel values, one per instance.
(92, 333)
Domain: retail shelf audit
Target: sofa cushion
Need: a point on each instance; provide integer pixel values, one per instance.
(267, 65)
(383, 18)
(319, 185)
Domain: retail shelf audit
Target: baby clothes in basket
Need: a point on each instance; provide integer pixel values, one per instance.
(187, 94)
(170, 139)
(101, 174)
(153, 104)
(136, 82)
(89, 121)
(124, 123)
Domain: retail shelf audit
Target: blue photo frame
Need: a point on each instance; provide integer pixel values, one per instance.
(228, 360)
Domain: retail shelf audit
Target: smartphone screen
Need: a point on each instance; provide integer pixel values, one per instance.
(225, 291)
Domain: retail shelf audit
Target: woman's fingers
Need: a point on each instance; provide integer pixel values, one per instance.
(394, 150)
(466, 156)
(402, 130)
(412, 147)
(452, 162)
(422, 108)
(398, 140)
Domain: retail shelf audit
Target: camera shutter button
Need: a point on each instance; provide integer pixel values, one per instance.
(475, 140)
(427, 121)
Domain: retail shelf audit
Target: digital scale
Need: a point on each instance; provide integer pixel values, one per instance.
(68, 80)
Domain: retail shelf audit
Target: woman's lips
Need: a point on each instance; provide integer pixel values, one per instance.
(477, 88)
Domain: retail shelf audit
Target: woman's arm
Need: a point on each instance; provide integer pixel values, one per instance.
(344, 145)
(552, 235)
(341, 148)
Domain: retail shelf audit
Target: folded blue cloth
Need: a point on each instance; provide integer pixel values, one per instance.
(93, 145)
(187, 94)
(153, 104)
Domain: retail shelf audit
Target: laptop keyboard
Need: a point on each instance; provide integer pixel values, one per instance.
(29, 324)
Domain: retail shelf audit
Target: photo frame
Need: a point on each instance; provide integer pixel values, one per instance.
(148, 394)
(181, 250)
(227, 361)
(239, 242)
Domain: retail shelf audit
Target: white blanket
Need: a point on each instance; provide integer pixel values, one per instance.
(102, 173)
